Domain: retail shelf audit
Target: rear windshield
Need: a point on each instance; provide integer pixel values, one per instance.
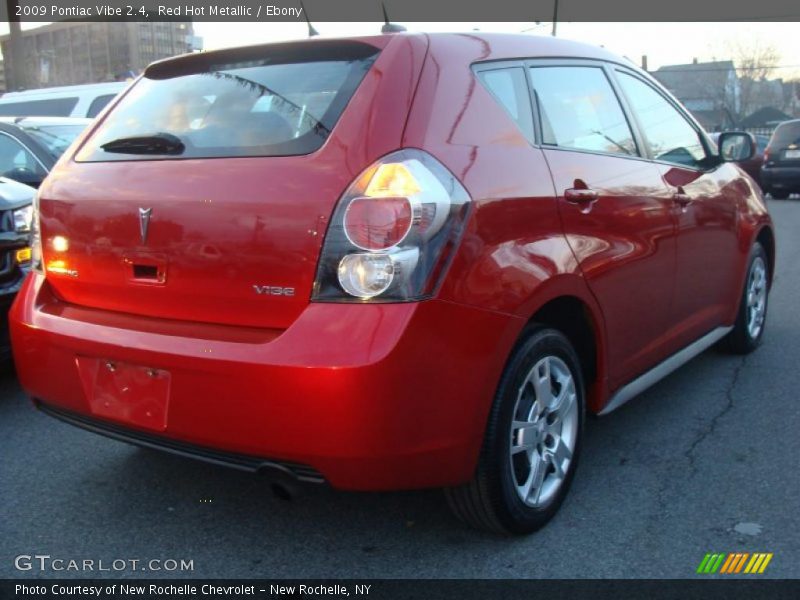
(282, 101)
(788, 133)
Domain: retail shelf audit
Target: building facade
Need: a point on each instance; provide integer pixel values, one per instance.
(710, 90)
(71, 53)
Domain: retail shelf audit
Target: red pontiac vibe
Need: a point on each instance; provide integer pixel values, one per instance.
(388, 262)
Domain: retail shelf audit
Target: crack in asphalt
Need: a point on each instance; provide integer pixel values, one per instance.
(712, 424)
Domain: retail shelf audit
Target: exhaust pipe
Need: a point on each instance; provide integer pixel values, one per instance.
(283, 492)
(282, 482)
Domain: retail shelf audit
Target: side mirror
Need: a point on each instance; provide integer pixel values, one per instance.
(736, 146)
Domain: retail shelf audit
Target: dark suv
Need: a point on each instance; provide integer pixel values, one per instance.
(780, 174)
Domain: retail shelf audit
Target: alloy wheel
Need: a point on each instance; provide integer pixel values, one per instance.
(756, 297)
(544, 431)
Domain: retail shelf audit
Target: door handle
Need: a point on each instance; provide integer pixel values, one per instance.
(682, 198)
(581, 195)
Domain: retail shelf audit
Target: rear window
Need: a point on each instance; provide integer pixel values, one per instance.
(278, 101)
(53, 107)
(580, 111)
(788, 133)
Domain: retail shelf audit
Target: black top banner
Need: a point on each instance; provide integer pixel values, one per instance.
(400, 10)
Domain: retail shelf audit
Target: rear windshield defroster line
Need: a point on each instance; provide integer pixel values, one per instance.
(276, 100)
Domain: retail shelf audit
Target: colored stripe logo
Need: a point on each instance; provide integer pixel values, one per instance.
(734, 562)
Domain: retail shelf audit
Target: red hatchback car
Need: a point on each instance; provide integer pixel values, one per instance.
(389, 262)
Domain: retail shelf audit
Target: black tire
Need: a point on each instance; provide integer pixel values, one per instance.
(779, 194)
(741, 340)
(490, 501)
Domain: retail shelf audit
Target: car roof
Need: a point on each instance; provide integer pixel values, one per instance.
(785, 123)
(45, 121)
(525, 45)
(487, 46)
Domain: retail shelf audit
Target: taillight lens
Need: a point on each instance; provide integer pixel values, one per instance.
(377, 223)
(393, 232)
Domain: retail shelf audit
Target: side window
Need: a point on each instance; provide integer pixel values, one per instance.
(670, 136)
(579, 110)
(509, 88)
(55, 107)
(16, 162)
(99, 104)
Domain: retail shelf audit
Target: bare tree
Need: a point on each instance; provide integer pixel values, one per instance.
(755, 62)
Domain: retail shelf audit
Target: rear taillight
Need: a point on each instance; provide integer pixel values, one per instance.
(393, 232)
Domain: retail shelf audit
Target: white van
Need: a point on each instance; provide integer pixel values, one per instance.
(65, 101)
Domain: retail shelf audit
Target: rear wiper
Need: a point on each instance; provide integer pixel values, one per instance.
(157, 143)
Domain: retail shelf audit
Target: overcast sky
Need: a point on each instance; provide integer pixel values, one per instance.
(663, 43)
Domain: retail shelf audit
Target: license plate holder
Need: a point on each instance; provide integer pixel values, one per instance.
(125, 392)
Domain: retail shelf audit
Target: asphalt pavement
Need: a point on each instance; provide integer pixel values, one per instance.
(706, 461)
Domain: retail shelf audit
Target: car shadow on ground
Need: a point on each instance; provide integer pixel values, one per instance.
(160, 482)
(150, 503)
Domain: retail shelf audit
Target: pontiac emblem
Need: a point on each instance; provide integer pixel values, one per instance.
(144, 222)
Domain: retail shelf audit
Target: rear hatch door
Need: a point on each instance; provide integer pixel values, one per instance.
(204, 194)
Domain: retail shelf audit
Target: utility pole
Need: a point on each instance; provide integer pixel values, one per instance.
(555, 16)
(14, 70)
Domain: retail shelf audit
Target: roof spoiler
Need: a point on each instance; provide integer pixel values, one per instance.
(264, 54)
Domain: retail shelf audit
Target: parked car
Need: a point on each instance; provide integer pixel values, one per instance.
(64, 101)
(384, 263)
(751, 165)
(780, 174)
(16, 213)
(30, 146)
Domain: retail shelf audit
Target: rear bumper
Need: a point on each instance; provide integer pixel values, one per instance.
(371, 397)
(242, 462)
(785, 178)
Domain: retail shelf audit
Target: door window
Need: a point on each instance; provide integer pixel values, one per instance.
(99, 104)
(16, 161)
(670, 136)
(579, 110)
(53, 107)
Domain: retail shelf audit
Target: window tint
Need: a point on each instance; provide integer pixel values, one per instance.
(277, 104)
(510, 89)
(53, 107)
(579, 110)
(16, 162)
(670, 136)
(99, 104)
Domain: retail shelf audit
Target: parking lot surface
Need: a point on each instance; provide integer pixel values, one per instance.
(706, 461)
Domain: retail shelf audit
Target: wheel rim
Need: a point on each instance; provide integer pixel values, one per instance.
(756, 297)
(544, 431)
